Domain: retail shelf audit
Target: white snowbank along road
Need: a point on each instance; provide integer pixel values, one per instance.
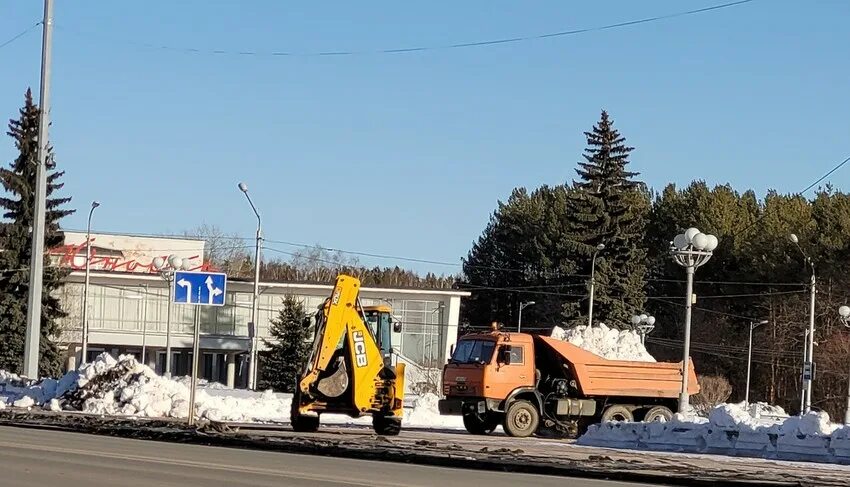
(124, 387)
(731, 430)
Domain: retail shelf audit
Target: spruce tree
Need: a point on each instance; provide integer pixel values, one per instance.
(16, 238)
(609, 207)
(288, 349)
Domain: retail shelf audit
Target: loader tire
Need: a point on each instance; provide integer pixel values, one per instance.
(386, 425)
(658, 414)
(618, 412)
(304, 424)
(478, 425)
(521, 419)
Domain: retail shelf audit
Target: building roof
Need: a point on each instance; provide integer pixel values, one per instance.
(130, 276)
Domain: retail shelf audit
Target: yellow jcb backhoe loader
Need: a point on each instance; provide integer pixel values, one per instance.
(349, 370)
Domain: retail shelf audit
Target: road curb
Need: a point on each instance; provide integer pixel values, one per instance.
(377, 448)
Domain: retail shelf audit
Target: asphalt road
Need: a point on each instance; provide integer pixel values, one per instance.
(46, 457)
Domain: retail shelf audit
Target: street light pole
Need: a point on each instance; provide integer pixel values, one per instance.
(166, 269)
(599, 248)
(522, 306)
(810, 343)
(844, 313)
(252, 369)
(36, 274)
(753, 326)
(85, 340)
(690, 250)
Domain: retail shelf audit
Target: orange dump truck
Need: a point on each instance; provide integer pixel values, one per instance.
(526, 383)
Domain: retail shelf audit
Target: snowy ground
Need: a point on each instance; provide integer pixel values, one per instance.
(606, 342)
(125, 387)
(733, 430)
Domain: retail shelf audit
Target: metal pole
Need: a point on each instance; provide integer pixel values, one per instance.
(847, 409)
(254, 310)
(33, 336)
(684, 399)
(195, 358)
(144, 323)
(749, 365)
(519, 319)
(86, 291)
(168, 326)
(803, 388)
(811, 343)
(592, 285)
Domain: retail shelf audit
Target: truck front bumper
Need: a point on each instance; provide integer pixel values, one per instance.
(470, 405)
(450, 407)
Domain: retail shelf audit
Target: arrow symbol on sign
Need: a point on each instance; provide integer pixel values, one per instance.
(188, 286)
(213, 291)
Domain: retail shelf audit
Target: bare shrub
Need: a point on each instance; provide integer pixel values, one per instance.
(714, 390)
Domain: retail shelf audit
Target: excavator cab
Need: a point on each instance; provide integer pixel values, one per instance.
(350, 370)
(382, 323)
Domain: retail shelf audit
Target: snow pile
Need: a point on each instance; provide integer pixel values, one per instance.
(124, 387)
(731, 430)
(606, 342)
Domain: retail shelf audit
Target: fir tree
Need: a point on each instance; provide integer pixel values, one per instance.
(288, 349)
(608, 207)
(15, 235)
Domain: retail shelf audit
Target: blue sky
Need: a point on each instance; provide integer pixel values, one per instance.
(407, 154)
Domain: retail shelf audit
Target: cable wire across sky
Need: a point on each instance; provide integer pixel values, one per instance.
(424, 48)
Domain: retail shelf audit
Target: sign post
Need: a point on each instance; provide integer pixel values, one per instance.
(199, 289)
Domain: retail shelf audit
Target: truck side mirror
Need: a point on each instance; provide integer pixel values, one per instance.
(397, 326)
(505, 355)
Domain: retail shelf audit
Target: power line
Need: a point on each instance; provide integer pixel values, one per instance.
(407, 50)
(804, 191)
(25, 32)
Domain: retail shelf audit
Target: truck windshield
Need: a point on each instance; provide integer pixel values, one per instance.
(473, 351)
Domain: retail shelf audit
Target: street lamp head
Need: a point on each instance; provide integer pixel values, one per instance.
(793, 238)
(691, 233)
(600, 247)
(529, 303)
(764, 322)
(700, 241)
(680, 241)
(712, 243)
(844, 311)
(158, 263)
(635, 319)
(243, 187)
(95, 204)
(650, 320)
(174, 261)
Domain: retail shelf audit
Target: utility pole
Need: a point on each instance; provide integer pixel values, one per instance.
(33, 333)
(753, 326)
(599, 248)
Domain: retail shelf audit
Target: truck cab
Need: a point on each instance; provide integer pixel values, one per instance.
(485, 372)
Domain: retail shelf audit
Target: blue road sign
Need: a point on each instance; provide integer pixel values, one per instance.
(200, 288)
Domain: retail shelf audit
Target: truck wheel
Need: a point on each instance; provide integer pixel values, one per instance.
(386, 425)
(477, 425)
(659, 414)
(618, 412)
(304, 424)
(521, 419)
